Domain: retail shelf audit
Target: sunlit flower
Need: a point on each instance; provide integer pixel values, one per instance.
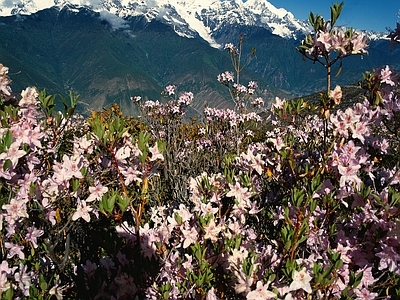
(155, 153)
(13, 154)
(386, 76)
(365, 294)
(82, 211)
(57, 290)
(336, 94)
(212, 231)
(190, 236)
(261, 292)
(28, 97)
(170, 89)
(23, 278)
(301, 280)
(96, 192)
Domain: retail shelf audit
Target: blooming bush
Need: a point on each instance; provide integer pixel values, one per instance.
(302, 203)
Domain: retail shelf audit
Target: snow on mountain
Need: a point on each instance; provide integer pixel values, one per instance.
(189, 18)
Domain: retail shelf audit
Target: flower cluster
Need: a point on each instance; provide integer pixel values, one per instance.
(294, 205)
(329, 44)
(344, 42)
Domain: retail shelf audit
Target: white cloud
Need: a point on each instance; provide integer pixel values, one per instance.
(116, 22)
(163, 12)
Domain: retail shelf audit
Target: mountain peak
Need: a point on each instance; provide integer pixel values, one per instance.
(189, 18)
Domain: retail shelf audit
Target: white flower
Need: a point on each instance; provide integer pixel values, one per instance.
(336, 94)
(28, 97)
(155, 153)
(212, 231)
(261, 292)
(301, 280)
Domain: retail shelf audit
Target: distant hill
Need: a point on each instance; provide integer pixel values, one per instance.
(77, 49)
(66, 50)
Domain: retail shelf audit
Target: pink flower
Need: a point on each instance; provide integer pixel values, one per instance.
(4, 268)
(89, 268)
(126, 285)
(360, 131)
(325, 39)
(147, 240)
(186, 98)
(211, 295)
(359, 43)
(368, 278)
(365, 294)
(231, 48)
(188, 264)
(4, 284)
(136, 98)
(14, 249)
(32, 235)
(386, 76)
(225, 77)
(339, 42)
(170, 89)
(123, 153)
(389, 259)
(243, 283)
(190, 236)
(13, 153)
(238, 192)
(23, 278)
(58, 290)
(238, 256)
(349, 174)
(96, 192)
(15, 210)
(131, 175)
(69, 168)
(82, 211)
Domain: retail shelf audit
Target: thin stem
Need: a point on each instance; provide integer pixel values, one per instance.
(328, 77)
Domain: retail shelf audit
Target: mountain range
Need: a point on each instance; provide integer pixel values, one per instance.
(111, 50)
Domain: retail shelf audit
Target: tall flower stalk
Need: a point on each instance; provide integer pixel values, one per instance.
(329, 44)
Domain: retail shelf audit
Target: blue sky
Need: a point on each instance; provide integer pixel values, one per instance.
(360, 14)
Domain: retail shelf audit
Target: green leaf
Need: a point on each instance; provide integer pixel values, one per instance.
(311, 18)
(98, 127)
(336, 10)
(178, 219)
(8, 295)
(7, 164)
(123, 203)
(43, 286)
(8, 139)
(340, 68)
(107, 202)
(75, 184)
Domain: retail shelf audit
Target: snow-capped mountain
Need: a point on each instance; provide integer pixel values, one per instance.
(189, 18)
